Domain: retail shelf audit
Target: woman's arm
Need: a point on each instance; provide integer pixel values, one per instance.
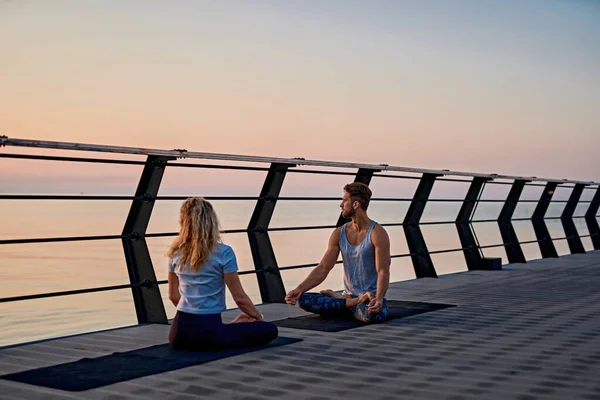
(232, 280)
(174, 294)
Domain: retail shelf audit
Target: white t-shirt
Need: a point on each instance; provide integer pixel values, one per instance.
(203, 292)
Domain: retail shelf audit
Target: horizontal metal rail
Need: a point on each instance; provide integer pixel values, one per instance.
(71, 197)
(235, 231)
(244, 272)
(65, 197)
(226, 167)
(62, 239)
(163, 234)
(72, 159)
(100, 237)
(491, 182)
(181, 153)
(521, 219)
(248, 168)
(71, 292)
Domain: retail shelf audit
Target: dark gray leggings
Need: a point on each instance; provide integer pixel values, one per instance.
(326, 305)
(208, 333)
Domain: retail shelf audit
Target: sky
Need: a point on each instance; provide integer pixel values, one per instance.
(493, 86)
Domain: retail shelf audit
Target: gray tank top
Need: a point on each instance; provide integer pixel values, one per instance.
(360, 274)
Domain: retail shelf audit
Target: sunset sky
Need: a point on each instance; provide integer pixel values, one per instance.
(499, 86)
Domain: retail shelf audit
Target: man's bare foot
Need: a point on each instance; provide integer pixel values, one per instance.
(363, 298)
(331, 293)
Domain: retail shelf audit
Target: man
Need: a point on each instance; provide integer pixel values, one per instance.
(365, 248)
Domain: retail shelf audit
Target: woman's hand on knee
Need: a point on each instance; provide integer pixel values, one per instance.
(243, 318)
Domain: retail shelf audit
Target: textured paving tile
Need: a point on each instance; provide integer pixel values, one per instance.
(528, 332)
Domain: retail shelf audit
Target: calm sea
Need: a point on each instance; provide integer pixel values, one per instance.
(48, 267)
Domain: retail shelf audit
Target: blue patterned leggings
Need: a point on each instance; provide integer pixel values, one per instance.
(330, 306)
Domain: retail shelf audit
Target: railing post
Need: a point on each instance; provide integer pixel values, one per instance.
(573, 239)
(148, 302)
(471, 251)
(542, 234)
(269, 279)
(592, 222)
(363, 175)
(414, 238)
(509, 236)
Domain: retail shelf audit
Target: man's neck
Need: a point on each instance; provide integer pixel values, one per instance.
(360, 221)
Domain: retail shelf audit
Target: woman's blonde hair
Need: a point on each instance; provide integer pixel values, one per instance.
(198, 234)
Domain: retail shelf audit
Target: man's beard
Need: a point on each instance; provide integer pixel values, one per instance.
(348, 214)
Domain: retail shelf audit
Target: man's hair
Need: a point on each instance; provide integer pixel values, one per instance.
(359, 192)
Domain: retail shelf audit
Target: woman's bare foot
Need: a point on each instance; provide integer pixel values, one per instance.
(331, 293)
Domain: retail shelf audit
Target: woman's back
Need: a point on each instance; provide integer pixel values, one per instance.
(199, 292)
(203, 291)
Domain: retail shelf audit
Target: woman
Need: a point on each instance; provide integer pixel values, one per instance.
(199, 268)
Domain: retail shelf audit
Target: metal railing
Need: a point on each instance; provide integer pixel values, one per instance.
(145, 286)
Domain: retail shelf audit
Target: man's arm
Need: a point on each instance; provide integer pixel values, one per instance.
(381, 243)
(320, 272)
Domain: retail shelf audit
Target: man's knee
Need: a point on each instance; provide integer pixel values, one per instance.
(305, 301)
(362, 314)
(320, 303)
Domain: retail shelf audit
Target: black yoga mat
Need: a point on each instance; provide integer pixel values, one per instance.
(396, 309)
(89, 373)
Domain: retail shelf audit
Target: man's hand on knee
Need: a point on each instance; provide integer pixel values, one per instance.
(375, 305)
(293, 296)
